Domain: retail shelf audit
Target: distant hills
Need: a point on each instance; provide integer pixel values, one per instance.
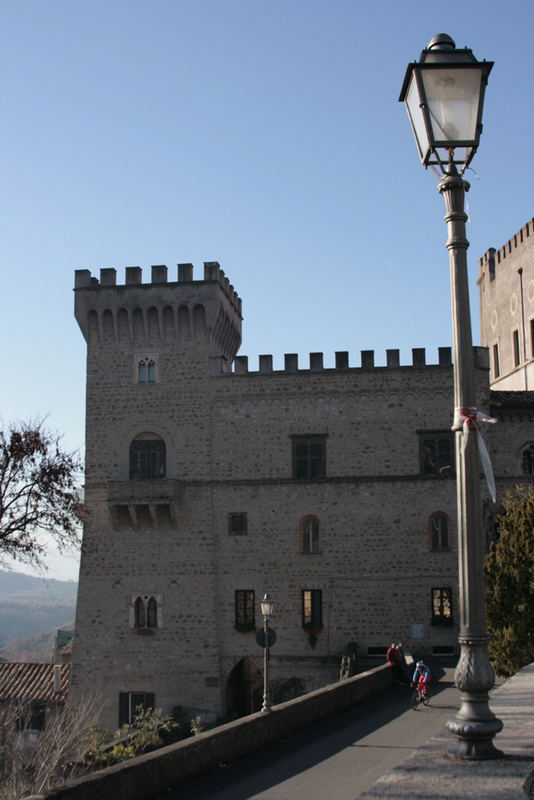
(31, 610)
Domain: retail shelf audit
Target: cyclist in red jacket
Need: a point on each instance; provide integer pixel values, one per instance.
(421, 677)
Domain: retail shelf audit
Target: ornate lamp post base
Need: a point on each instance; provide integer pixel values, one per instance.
(474, 738)
(474, 725)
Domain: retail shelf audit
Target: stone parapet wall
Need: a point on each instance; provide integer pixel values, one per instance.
(146, 776)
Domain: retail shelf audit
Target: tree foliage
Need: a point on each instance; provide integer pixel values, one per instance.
(510, 584)
(150, 729)
(38, 493)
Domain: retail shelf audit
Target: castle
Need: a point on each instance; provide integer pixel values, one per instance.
(209, 484)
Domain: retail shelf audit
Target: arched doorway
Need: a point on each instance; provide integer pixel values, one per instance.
(244, 689)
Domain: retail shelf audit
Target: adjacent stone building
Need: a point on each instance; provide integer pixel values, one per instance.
(209, 483)
(506, 290)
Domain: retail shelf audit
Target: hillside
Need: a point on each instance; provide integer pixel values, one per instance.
(30, 606)
(35, 648)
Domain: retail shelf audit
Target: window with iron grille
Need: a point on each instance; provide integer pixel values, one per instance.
(309, 534)
(439, 531)
(244, 609)
(312, 608)
(147, 457)
(436, 452)
(309, 457)
(130, 703)
(441, 606)
(237, 523)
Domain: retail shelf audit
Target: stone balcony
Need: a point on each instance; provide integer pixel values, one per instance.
(147, 504)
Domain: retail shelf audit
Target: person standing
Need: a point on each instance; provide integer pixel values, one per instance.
(392, 657)
(403, 665)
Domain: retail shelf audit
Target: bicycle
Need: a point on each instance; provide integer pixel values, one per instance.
(420, 695)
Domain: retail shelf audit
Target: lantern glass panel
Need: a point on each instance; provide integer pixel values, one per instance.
(413, 105)
(267, 606)
(452, 97)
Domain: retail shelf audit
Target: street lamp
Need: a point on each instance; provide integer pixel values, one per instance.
(267, 606)
(444, 95)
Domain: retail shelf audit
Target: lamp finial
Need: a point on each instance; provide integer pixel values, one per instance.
(441, 41)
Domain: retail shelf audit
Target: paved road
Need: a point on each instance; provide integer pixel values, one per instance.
(336, 759)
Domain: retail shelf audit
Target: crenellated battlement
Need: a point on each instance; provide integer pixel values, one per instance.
(159, 276)
(160, 310)
(492, 256)
(367, 362)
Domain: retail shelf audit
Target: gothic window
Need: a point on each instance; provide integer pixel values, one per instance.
(312, 608)
(309, 457)
(244, 609)
(130, 703)
(151, 613)
(147, 457)
(436, 452)
(441, 606)
(439, 532)
(527, 459)
(146, 611)
(146, 369)
(309, 535)
(237, 523)
(140, 613)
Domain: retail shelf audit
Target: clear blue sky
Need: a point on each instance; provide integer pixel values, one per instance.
(267, 136)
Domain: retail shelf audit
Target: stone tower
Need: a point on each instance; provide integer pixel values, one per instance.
(148, 463)
(506, 292)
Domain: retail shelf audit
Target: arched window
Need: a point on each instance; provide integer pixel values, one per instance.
(439, 531)
(146, 370)
(140, 615)
(309, 534)
(147, 457)
(527, 459)
(151, 613)
(145, 611)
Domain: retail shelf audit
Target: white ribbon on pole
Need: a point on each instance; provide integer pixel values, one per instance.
(468, 419)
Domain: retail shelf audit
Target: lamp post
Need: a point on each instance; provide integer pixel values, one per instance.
(267, 606)
(444, 95)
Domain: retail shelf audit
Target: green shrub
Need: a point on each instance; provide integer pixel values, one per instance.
(283, 689)
(509, 569)
(197, 726)
(149, 730)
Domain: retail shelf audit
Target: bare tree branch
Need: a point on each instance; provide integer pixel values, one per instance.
(31, 767)
(39, 492)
